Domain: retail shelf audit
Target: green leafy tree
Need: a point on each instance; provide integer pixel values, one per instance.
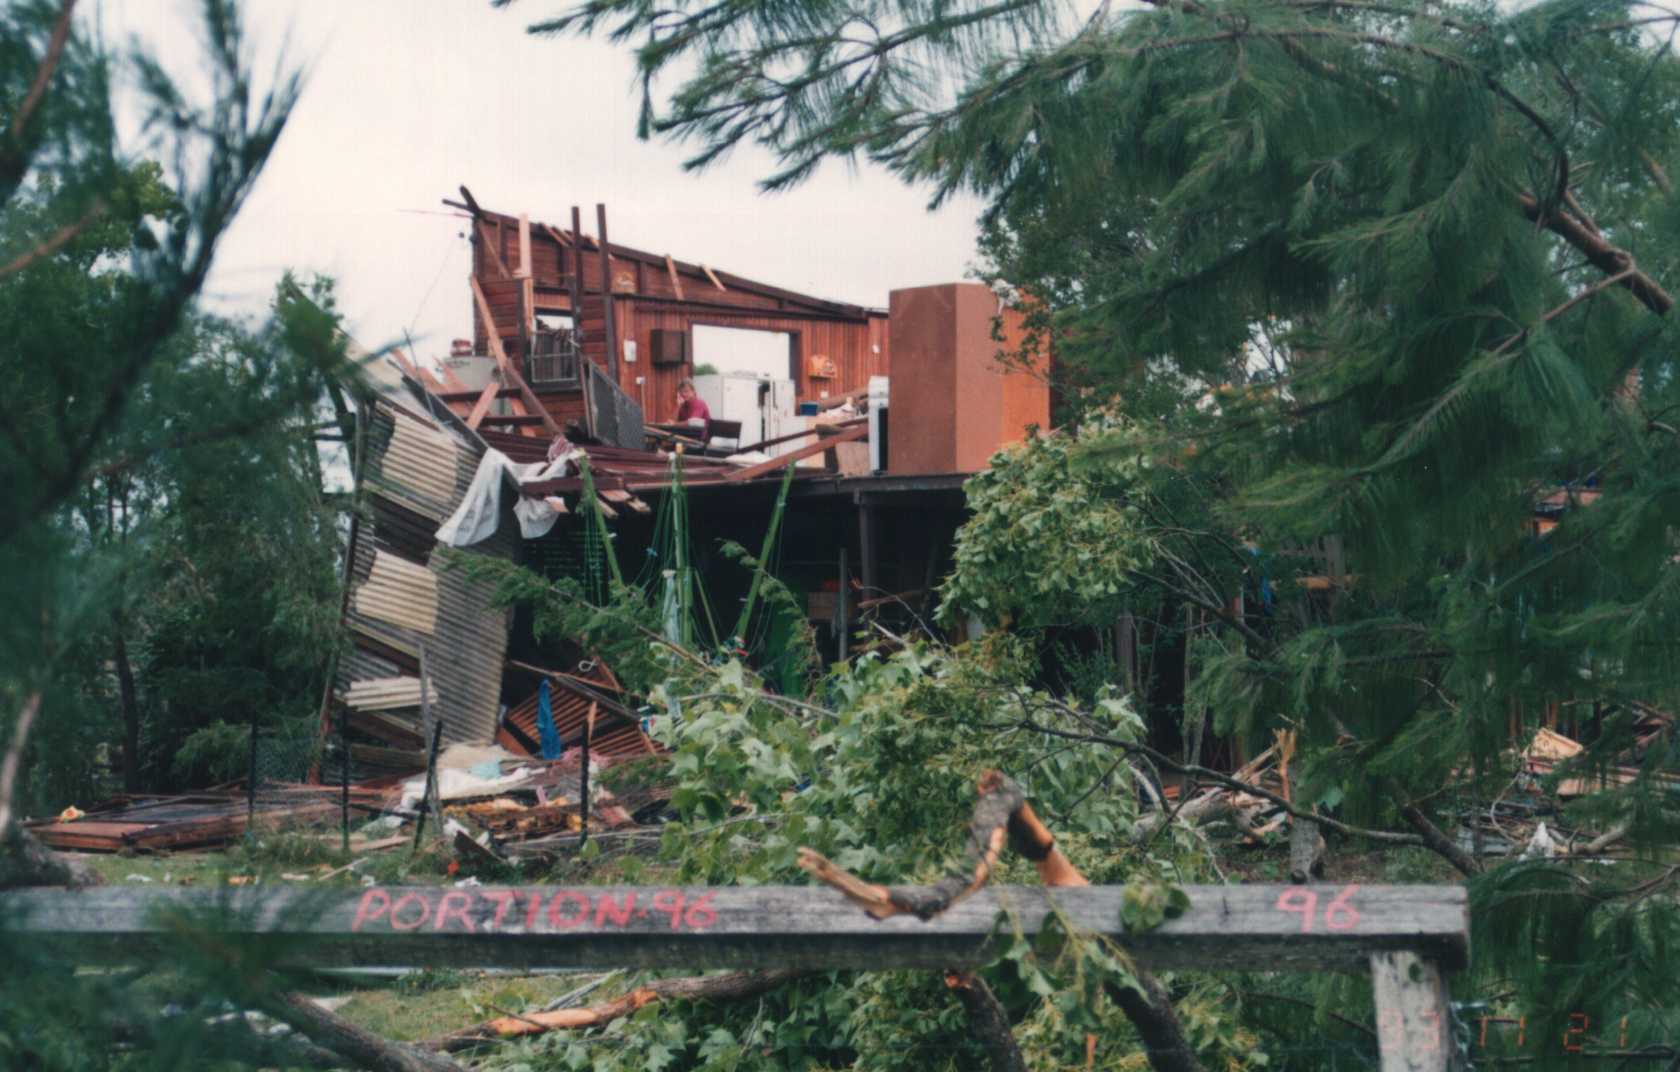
(165, 551)
(1380, 277)
(166, 547)
(876, 771)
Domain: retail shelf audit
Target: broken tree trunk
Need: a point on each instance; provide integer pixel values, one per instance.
(1306, 851)
(988, 1021)
(1151, 1012)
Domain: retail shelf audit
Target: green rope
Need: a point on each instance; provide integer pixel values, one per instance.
(764, 556)
(594, 505)
(679, 544)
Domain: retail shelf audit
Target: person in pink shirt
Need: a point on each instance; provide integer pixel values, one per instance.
(691, 408)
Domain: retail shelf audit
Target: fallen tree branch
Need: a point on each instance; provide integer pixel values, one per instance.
(988, 832)
(1149, 1007)
(1303, 1003)
(238, 1040)
(725, 986)
(360, 1046)
(987, 1019)
(1433, 838)
(1207, 774)
(1604, 840)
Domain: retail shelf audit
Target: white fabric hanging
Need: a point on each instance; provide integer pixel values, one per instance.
(481, 507)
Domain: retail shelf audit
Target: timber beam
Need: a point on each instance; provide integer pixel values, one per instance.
(1239, 928)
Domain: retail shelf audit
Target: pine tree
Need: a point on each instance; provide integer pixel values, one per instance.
(135, 426)
(1383, 274)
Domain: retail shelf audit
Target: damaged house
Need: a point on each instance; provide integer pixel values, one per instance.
(849, 448)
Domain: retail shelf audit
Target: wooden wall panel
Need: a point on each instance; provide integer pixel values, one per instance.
(563, 407)
(854, 340)
(879, 364)
(845, 343)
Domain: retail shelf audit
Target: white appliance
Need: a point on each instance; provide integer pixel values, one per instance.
(878, 423)
(734, 396)
(781, 416)
(766, 408)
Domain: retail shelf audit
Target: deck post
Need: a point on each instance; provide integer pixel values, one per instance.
(1414, 1022)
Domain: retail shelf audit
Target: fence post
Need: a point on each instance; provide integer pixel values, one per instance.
(1414, 1024)
(251, 779)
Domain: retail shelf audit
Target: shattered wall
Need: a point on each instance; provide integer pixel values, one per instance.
(416, 470)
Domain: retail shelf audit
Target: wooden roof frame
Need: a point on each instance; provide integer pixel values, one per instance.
(725, 281)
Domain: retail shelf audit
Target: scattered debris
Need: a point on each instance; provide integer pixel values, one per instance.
(194, 821)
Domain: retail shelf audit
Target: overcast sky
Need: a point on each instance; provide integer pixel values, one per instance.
(408, 99)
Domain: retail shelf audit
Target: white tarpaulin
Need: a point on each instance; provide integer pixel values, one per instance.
(475, 519)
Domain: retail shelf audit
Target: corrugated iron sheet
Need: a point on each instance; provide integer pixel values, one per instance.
(379, 694)
(401, 593)
(613, 736)
(419, 465)
(465, 638)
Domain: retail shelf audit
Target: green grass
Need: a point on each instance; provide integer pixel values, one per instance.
(176, 869)
(426, 1004)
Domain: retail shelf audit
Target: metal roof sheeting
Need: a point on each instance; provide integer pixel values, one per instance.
(401, 593)
(614, 736)
(383, 693)
(420, 463)
(400, 604)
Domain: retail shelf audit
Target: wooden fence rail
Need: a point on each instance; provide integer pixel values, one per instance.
(1405, 935)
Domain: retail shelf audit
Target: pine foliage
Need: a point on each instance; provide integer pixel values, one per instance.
(1377, 277)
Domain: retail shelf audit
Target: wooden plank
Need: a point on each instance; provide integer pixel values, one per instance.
(510, 374)
(429, 381)
(1414, 1031)
(607, 293)
(859, 432)
(472, 396)
(813, 430)
(713, 277)
(400, 758)
(1226, 927)
(472, 202)
(489, 243)
(676, 283)
(485, 397)
(559, 237)
(404, 363)
(524, 270)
